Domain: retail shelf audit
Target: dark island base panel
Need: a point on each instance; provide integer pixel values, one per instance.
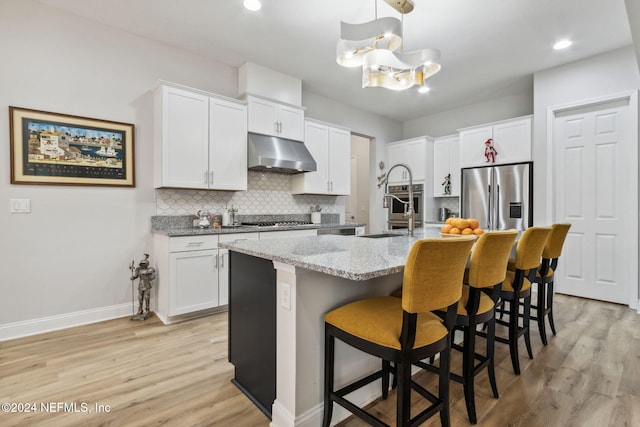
(252, 327)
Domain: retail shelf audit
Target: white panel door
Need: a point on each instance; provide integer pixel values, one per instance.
(590, 168)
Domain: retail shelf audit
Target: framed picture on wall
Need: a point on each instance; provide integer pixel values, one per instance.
(60, 149)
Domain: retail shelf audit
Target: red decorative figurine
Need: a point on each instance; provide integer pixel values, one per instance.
(489, 152)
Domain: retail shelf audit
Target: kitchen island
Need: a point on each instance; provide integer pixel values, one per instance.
(279, 292)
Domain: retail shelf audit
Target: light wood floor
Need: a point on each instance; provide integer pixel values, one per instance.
(178, 375)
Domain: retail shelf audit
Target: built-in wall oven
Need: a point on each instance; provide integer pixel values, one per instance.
(396, 216)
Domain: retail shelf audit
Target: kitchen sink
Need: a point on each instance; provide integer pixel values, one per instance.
(381, 235)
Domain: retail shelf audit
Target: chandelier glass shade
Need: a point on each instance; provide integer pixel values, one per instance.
(373, 46)
(399, 71)
(356, 40)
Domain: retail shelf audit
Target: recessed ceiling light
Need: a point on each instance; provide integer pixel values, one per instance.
(424, 89)
(562, 44)
(252, 5)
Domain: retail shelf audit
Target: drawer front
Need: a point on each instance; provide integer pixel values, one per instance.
(238, 237)
(192, 243)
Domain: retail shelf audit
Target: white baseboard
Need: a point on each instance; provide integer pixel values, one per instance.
(62, 321)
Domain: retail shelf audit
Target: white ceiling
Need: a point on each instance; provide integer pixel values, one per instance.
(490, 48)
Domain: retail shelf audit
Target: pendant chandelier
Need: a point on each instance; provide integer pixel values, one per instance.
(373, 46)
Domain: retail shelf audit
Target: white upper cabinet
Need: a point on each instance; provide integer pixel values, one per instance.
(511, 141)
(330, 147)
(413, 153)
(446, 162)
(201, 140)
(182, 138)
(339, 161)
(272, 118)
(227, 145)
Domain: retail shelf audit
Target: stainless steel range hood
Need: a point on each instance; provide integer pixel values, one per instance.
(273, 154)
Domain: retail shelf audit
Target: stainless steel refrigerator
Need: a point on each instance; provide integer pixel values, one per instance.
(499, 197)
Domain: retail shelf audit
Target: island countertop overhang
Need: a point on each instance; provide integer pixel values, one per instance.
(350, 257)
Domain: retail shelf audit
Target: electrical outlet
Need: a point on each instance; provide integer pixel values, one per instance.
(285, 296)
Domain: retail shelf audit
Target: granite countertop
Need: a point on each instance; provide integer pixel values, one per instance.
(349, 257)
(182, 225)
(195, 231)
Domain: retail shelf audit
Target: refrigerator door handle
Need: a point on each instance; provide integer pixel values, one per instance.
(497, 207)
(489, 213)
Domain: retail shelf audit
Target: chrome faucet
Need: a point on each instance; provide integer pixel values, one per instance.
(408, 206)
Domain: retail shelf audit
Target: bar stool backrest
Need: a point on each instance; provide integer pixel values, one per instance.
(553, 248)
(433, 273)
(489, 258)
(530, 246)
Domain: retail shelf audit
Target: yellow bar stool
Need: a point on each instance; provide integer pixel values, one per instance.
(545, 279)
(517, 287)
(402, 331)
(487, 270)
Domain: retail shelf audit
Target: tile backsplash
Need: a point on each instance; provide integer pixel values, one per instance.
(267, 193)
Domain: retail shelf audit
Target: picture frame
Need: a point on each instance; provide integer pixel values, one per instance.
(60, 149)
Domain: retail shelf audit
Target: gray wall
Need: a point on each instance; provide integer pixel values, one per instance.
(448, 122)
(633, 13)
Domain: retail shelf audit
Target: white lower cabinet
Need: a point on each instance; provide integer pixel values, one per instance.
(193, 273)
(193, 281)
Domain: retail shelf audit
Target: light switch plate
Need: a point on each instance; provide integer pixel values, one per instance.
(20, 205)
